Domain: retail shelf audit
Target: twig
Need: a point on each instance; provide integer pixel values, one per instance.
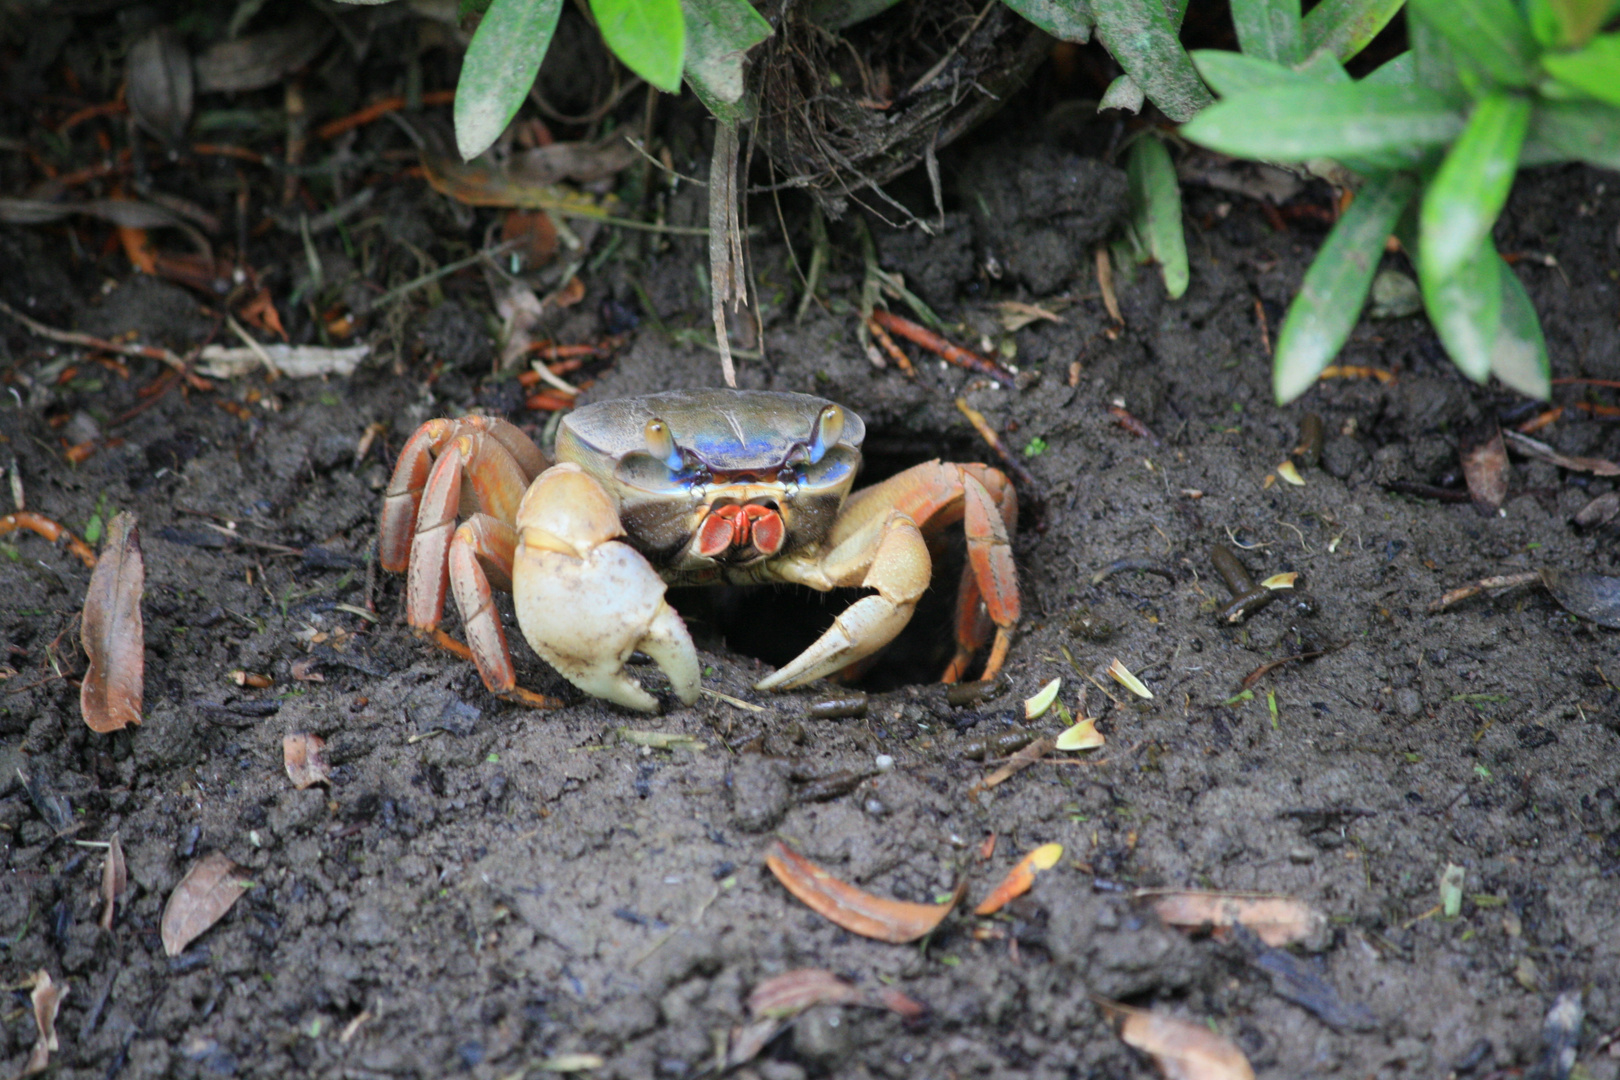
(73, 337)
(951, 354)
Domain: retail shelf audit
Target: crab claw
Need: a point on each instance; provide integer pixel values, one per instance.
(585, 601)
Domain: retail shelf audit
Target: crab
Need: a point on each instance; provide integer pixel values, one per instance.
(687, 487)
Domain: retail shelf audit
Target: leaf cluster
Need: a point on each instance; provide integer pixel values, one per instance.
(1437, 135)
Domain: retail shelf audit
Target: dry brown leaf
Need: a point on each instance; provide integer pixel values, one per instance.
(47, 999)
(114, 638)
(793, 992)
(1535, 448)
(1020, 761)
(114, 881)
(1485, 467)
(1276, 920)
(1020, 878)
(302, 755)
(203, 896)
(304, 670)
(1182, 1049)
(894, 921)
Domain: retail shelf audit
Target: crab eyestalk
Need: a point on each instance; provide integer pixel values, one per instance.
(661, 443)
(829, 428)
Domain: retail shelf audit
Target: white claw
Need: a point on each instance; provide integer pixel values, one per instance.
(586, 614)
(862, 629)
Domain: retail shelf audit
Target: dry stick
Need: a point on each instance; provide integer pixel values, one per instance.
(73, 337)
(951, 354)
(1463, 592)
(725, 242)
(901, 360)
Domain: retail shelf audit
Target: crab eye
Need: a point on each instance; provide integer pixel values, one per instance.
(661, 443)
(829, 427)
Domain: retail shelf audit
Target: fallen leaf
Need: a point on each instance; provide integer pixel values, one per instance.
(1020, 878)
(1082, 736)
(47, 998)
(1485, 465)
(894, 921)
(1281, 581)
(114, 638)
(1182, 1049)
(203, 896)
(1036, 706)
(1122, 675)
(1535, 448)
(293, 361)
(114, 881)
(1289, 472)
(793, 992)
(1591, 596)
(304, 670)
(1020, 761)
(301, 754)
(1275, 920)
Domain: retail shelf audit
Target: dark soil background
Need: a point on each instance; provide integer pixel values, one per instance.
(484, 887)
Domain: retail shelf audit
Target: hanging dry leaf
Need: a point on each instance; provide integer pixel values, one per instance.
(1020, 878)
(1276, 920)
(203, 896)
(302, 755)
(114, 638)
(894, 921)
(114, 881)
(1182, 1049)
(161, 83)
(1485, 467)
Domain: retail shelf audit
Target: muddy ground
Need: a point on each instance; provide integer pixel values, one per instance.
(486, 887)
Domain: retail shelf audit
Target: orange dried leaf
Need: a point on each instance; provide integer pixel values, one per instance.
(302, 755)
(1184, 1050)
(1276, 920)
(203, 896)
(859, 912)
(1020, 878)
(114, 638)
(114, 881)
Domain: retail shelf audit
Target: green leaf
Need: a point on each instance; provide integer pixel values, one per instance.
(1347, 26)
(1268, 29)
(1492, 33)
(1575, 130)
(1433, 60)
(1568, 24)
(649, 36)
(1156, 210)
(1466, 196)
(1330, 299)
(1594, 70)
(719, 34)
(1229, 73)
(1122, 93)
(1140, 35)
(1401, 71)
(1520, 356)
(1466, 310)
(499, 68)
(1328, 121)
(1066, 20)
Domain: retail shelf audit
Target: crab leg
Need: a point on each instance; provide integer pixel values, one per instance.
(586, 601)
(495, 484)
(895, 561)
(481, 549)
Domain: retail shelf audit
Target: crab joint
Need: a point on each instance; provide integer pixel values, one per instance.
(736, 527)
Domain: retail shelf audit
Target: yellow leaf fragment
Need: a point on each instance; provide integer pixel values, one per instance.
(1290, 473)
(1020, 878)
(1122, 675)
(1036, 707)
(1281, 581)
(1082, 736)
(1184, 1050)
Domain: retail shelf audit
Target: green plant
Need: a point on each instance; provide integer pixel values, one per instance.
(1436, 136)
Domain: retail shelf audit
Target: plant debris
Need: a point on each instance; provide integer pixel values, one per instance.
(201, 899)
(1182, 1049)
(47, 1000)
(301, 754)
(1020, 878)
(114, 638)
(1485, 466)
(114, 881)
(1276, 920)
(894, 921)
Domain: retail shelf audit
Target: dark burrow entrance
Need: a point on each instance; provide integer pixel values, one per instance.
(774, 623)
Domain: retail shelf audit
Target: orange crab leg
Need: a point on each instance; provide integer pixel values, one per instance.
(404, 495)
(483, 548)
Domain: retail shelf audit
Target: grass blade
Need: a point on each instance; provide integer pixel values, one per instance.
(1329, 301)
(1467, 194)
(1142, 38)
(1156, 206)
(1268, 29)
(1492, 33)
(1346, 26)
(1328, 121)
(501, 63)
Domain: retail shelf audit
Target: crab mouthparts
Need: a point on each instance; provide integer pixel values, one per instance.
(735, 529)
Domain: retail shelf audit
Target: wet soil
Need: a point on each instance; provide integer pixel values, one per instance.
(486, 887)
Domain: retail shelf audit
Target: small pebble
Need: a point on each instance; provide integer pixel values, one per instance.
(884, 763)
(875, 807)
